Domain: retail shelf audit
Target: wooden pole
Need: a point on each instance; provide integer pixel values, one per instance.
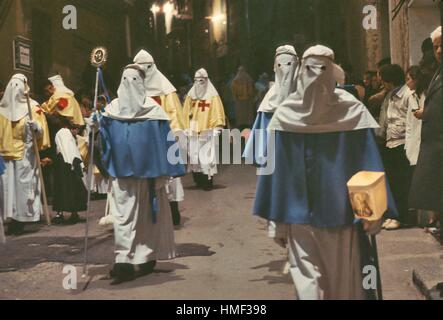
(377, 266)
(89, 179)
(37, 156)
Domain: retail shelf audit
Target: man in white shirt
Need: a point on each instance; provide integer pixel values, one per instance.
(393, 132)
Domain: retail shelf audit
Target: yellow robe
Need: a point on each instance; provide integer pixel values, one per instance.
(242, 91)
(83, 148)
(204, 115)
(65, 105)
(173, 107)
(12, 135)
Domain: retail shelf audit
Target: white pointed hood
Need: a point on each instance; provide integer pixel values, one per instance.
(156, 84)
(318, 106)
(203, 88)
(59, 85)
(13, 105)
(285, 68)
(132, 102)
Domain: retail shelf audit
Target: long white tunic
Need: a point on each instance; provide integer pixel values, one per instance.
(325, 263)
(202, 151)
(137, 239)
(20, 196)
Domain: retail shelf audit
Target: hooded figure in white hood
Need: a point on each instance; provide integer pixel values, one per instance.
(286, 64)
(160, 89)
(204, 117)
(134, 131)
(20, 193)
(323, 137)
(285, 68)
(63, 102)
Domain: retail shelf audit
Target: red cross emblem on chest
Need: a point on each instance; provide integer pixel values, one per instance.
(203, 105)
(158, 100)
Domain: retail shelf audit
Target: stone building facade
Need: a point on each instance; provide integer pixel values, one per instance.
(56, 50)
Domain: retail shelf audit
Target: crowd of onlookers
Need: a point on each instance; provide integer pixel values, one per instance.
(396, 98)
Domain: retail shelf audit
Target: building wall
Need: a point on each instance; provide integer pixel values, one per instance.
(8, 30)
(422, 20)
(399, 31)
(362, 48)
(64, 51)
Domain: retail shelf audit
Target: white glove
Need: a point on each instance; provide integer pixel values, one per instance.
(372, 228)
(33, 125)
(93, 121)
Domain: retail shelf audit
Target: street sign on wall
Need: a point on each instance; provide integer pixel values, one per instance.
(22, 54)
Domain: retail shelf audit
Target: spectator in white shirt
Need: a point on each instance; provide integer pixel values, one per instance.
(415, 101)
(393, 133)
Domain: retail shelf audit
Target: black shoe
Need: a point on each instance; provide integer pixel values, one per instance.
(146, 269)
(15, 228)
(74, 219)
(197, 176)
(176, 218)
(209, 184)
(58, 219)
(122, 272)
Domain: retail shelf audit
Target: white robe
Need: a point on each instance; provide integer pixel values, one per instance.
(202, 151)
(137, 239)
(325, 263)
(20, 198)
(175, 190)
(99, 184)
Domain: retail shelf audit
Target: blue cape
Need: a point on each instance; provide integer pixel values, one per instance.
(309, 184)
(256, 147)
(137, 149)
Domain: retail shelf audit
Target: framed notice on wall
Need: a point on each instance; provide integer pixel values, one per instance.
(23, 54)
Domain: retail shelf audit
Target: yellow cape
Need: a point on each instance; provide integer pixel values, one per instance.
(173, 107)
(12, 135)
(204, 115)
(65, 105)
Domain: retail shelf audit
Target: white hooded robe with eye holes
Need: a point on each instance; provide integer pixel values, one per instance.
(323, 136)
(285, 68)
(204, 118)
(20, 195)
(159, 88)
(138, 237)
